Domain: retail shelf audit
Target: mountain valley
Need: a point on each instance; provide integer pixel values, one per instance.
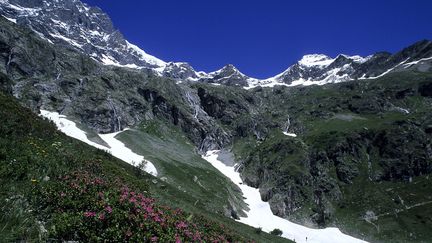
(343, 142)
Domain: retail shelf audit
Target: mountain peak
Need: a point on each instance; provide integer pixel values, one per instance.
(227, 70)
(315, 60)
(355, 58)
(230, 67)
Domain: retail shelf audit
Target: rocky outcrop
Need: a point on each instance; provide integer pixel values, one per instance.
(425, 89)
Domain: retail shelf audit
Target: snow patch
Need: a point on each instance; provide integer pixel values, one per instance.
(116, 147)
(260, 214)
(109, 60)
(407, 65)
(315, 60)
(360, 59)
(290, 134)
(10, 19)
(119, 150)
(61, 24)
(386, 72)
(22, 10)
(72, 42)
(146, 57)
(311, 61)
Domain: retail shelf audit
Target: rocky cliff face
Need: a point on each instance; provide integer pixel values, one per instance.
(360, 147)
(105, 98)
(76, 25)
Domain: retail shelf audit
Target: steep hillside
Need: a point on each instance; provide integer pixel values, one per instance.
(108, 99)
(355, 155)
(57, 188)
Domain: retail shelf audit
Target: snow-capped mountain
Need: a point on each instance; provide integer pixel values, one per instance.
(180, 71)
(316, 69)
(75, 24)
(88, 29)
(320, 69)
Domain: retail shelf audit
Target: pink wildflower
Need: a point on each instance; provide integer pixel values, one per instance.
(197, 236)
(89, 214)
(132, 200)
(177, 239)
(149, 209)
(181, 225)
(157, 219)
(108, 209)
(98, 181)
(101, 216)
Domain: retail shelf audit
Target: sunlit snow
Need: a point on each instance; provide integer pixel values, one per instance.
(315, 60)
(406, 65)
(260, 214)
(146, 57)
(116, 147)
(11, 19)
(386, 72)
(310, 61)
(109, 60)
(290, 134)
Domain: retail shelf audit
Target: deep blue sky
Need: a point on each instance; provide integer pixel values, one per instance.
(262, 38)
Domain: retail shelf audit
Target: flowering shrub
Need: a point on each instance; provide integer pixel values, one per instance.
(86, 207)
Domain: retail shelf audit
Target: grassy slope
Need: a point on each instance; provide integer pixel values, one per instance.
(33, 155)
(178, 161)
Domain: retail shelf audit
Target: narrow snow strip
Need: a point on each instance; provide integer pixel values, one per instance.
(10, 19)
(406, 65)
(109, 60)
(72, 42)
(116, 147)
(290, 134)
(22, 10)
(386, 72)
(260, 214)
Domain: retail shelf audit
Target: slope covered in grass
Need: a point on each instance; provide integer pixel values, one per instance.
(56, 188)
